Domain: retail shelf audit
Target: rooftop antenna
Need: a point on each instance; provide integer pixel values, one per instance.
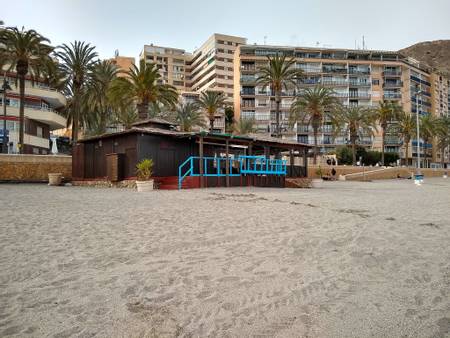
(116, 53)
(265, 39)
(363, 43)
(317, 43)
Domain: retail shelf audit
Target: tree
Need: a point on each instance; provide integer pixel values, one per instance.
(355, 122)
(99, 105)
(127, 116)
(406, 129)
(143, 86)
(212, 102)
(229, 119)
(279, 74)
(428, 126)
(77, 62)
(26, 51)
(310, 107)
(244, 126)
(443, 136)
(188, 115)
(387, 112)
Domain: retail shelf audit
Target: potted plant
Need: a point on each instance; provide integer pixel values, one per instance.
(54, 179)
(318, 181)
(144, 170)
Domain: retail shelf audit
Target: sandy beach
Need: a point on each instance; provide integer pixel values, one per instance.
(349, 260)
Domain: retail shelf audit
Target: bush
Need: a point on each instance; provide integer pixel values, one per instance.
(344, 154)
(144, 169)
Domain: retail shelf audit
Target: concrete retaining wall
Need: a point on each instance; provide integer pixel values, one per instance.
(33, 168)
(390, 173)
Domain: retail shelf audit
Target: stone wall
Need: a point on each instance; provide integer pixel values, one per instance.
(34, 168)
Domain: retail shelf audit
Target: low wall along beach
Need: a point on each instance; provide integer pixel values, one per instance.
(33, 168)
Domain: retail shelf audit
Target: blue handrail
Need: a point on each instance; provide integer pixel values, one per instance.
(258, 165)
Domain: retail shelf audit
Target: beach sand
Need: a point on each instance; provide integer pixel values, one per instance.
(351, 259)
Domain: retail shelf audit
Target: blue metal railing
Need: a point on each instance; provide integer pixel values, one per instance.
(216, 167)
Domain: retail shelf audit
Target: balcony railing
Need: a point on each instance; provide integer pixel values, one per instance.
(334, 70)
(392, 73)
(359, 71)
(360, 84)
(29, 106)
(392, 96)
(359, 95)
(393, 84)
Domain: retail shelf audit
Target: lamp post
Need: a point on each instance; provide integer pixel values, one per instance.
(419, 92)
(5, 87)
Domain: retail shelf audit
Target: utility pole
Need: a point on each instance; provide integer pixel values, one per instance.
(419, 92)
(5, 87)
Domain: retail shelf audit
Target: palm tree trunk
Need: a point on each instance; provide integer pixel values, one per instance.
(406, 153)
(315, 129)
(382, 145)
(142, 109)
(21, 112)
(277, 114)
(211, 125)
(442, 156)
(354, 152)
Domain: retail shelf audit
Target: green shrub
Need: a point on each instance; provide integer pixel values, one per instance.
(144, 169)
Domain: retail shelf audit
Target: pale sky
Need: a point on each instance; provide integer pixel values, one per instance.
(129, 24)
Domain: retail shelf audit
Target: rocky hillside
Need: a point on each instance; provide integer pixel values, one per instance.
(436, 54)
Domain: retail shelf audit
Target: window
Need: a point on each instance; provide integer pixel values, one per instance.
(39, 132)
(376, 82)
(36, 151)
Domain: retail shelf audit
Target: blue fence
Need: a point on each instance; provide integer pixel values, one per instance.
(242, 165)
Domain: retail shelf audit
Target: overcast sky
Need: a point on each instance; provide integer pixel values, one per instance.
(129, 24)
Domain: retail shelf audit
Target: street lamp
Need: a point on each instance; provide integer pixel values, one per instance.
(5, 87)
(419, 92)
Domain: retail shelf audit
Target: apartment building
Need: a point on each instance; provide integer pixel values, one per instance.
(358, 78)
(123, 63)
(209, 67)
(42, 115)
(171, 64)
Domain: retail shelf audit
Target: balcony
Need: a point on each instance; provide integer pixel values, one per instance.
(360, 84)
(335, 82)
(394, 73)
(397, 84)
(247, 92)
(392, 96)
(339, 70)
(248, 79)
(45, 115)
(51, 95)
(359, 95)
(359, 71)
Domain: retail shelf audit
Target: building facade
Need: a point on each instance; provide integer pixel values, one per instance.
(357, 77)
(42, 115)
(209, 67)
(123, 63)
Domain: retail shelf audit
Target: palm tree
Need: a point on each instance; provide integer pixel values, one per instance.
(244, 126)
(127, 115)
(310, 107)
(428, 128)
(279, 74)
(77, 62)
(229, 119)
(142, 85)
(26, 51)
(212, 102)
(387, 112)
(443, 136)
(406, 124)
(188, 115)
(355, 122)
(98, 102)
